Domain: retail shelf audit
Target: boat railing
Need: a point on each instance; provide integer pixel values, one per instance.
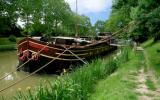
(69, 41)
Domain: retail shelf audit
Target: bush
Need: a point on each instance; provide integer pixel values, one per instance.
(156, 37)
(12, 38)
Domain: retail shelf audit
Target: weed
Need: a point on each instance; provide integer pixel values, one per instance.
(150, 84)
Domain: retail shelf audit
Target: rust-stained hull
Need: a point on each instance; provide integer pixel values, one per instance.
(29, 47)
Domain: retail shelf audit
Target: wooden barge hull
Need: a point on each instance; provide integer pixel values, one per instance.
(28, 48)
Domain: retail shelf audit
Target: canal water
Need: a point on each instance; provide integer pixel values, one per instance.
(8, 63)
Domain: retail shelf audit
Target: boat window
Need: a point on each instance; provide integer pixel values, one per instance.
(64, 41)
(36, 38)
(44, 39)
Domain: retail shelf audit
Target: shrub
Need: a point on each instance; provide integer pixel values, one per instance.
(12, 38)
(156, 37)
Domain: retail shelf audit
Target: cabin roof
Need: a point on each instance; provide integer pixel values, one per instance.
(69, 38)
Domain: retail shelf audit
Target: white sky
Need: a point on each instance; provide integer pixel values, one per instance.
(90, 6)
(20, 23)
(94, 9)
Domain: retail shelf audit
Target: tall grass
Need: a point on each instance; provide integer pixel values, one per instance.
(77, 85)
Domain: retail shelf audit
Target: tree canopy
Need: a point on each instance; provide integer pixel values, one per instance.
(52, 17)
(141, 16)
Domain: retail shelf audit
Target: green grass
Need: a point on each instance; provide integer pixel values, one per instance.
(5, 41)
(150, 84)
(117, 86)
(147, 43)
(7, 47)
(5, 44)
(152, 50)
(77, 85)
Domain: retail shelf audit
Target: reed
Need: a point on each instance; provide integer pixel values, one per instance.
(79, 84)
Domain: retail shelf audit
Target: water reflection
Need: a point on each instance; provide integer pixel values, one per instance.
(8, 63)
(8, 76)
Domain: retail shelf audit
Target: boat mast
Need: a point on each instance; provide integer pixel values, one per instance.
(77, 18)
(27, 28)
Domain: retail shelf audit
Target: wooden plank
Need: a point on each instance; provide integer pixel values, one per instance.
(118, 45)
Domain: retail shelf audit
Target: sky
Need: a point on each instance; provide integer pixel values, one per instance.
(94, 9)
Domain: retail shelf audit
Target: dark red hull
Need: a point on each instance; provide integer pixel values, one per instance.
(29, 47)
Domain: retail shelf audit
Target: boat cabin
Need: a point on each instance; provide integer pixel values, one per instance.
(64, 40)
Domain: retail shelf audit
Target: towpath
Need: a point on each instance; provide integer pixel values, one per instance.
(146, 82)
(134, 80)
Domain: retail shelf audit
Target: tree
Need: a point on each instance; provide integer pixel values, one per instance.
(84, 26)
(100, 26)
(52, 17)
(8, 18)
(146, 14)
(120, 16)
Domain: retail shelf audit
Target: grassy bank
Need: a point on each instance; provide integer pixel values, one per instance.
(6, 44)
(7, 47)
(153, 53)
(117, 86)
(126, 83)
(77, 85)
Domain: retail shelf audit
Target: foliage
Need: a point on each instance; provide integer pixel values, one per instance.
(52, 17)
(84, 26)
(99, 26)
(12, 38)
(8, 18)
(118, 86)
(120, 15)
(143, 14)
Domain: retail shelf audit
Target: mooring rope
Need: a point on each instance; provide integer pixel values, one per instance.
(46, 63)
(32, 72)
(78, 57)
(24, 63)
(130, 23)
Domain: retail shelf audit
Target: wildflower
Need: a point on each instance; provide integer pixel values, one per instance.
(28, 88)
(64, 70)
(19, 89)
(45, 81)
